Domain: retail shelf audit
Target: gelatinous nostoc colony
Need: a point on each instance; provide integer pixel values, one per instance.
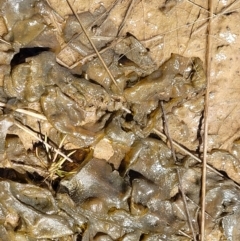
(80, 108)
(124, 185)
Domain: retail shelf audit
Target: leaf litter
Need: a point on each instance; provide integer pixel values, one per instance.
(83, 150)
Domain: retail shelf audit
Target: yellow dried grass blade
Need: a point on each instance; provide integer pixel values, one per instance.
(27, 112)
(30, 132)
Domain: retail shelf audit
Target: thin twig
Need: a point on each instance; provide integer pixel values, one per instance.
(129, 9)
(159, 36)
(31, 113)
(205, 139)
(59, 147)
(178, 173)
(206, 213)
(93, 45)
(184, 234)
(30, 132)
(82, 61)
(222, 12)
(159, 133)
(4, 41)
(90, 56)
(184, 150)
(27, 112)
(199, 6)
(205, 20)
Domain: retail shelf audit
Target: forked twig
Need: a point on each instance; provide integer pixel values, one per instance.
(30, 132)
(94, 47)
(178, 173)
(205, 139)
